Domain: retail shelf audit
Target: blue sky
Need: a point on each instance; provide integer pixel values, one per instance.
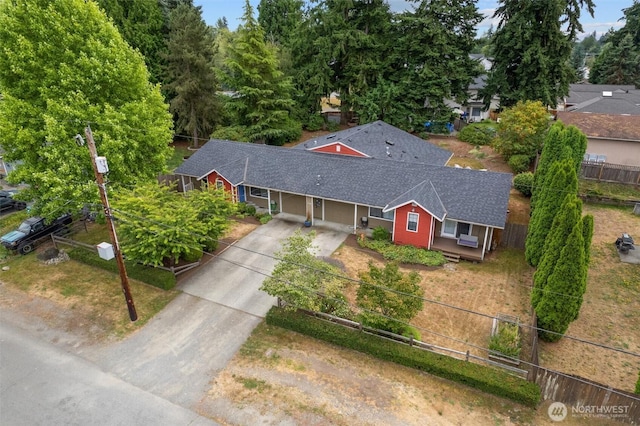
(607, 13)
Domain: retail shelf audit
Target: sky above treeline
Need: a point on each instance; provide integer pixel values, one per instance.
(607, 13)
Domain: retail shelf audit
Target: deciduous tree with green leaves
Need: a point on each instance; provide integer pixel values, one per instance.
(192, 83)
(303, 281)
(521, 130)
(389, 298)
(262, 101)
(158, 225)
(63, 65)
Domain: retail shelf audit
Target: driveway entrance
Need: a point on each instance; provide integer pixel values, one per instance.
(179, 352)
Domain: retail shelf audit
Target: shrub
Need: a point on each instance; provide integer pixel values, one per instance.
(486, 379)
(519, 163)
(381, 233)
(332, 126)
(251, 210)
(241, 207)
(314, 123)
(147, 274)
(291, 131)
(265, 218)
(507, 340)
(403, 254)
(477, 134)
(232, 133)
(523, 182)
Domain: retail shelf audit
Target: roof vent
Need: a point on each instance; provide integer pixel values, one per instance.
(388, 142)
(331, 136)
(318, 180)
(607, 94)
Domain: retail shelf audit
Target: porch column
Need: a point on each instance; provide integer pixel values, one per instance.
(433, 228)
(355, 218)
(280, 201)
(181, 181)
(484, 243)
(269, 201)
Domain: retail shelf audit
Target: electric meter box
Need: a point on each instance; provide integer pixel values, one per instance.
(101, 164)
(105, 251)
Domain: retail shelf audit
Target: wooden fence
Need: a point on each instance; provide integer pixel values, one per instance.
(513, 235)
(583, 397)
(605, 172)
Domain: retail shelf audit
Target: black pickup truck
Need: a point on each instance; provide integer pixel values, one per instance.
(32, 231)
(7, 202)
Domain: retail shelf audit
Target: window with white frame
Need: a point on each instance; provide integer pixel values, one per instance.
(259, 192)
(378, 213)
(219, 184)
(412, 222)
(453, 228)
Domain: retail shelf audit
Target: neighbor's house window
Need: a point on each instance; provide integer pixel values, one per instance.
(259, 192)
(476, 112)
(376, 212)
(412, 222)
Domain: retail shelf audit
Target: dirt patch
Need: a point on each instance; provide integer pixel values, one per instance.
(485, 158)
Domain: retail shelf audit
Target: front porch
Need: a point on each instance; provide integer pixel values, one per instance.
(449, 245)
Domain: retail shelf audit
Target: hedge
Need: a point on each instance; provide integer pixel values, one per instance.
(152, 276)
(484, 378)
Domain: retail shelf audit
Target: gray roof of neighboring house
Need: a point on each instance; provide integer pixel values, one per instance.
(620, 99)
(468, 195)
(384, 141)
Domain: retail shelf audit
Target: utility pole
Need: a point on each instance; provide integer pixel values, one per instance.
(124, 279)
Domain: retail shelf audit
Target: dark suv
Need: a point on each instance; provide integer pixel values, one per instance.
(32, 231)
(7, 202)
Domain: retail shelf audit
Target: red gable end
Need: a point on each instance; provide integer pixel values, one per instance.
(338, 148)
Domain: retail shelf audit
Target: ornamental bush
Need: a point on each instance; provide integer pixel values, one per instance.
(477, 134)
(519, 163)
(523, 182)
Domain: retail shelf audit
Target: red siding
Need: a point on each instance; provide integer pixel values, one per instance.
(212, 181)
(403, 236)
(338, 148)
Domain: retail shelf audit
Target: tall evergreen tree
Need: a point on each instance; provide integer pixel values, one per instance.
(552, 150)
(141, 24)
(618, 63)
(532, 49)
(431, 56)
(279, 19)
(63, 64)
(587, 235)
(563, 294)
(192, 80)
(263, 95)
(563, 181)
(563, 223)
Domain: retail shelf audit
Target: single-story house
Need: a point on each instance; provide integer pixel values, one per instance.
(613, 139)
(432, 206)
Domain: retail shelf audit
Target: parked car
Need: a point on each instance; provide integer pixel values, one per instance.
(33, 231)
(7, 202)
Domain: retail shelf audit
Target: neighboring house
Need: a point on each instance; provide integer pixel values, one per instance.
(432, 206)
(613, 139)
(613, 99)
(474, 107)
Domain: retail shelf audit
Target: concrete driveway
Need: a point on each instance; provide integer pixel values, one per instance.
(179, 352)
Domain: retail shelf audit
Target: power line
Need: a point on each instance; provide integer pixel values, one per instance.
(359, 282)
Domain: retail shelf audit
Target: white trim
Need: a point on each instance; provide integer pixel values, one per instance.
(257, 196)
(433, 229)
(417, 221)
(484, 243)
(219, 183)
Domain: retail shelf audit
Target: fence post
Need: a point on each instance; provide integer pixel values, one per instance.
(467, 357)
(411, 341)
(53, 238)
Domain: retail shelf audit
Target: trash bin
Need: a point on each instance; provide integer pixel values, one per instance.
(274, 207)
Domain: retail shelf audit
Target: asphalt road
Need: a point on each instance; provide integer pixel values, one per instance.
(40, 384)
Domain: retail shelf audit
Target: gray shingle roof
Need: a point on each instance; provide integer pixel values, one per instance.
(623, 99)
(382, 140)
(468, 195)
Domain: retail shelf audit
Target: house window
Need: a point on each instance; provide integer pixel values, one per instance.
(476, 112)
(412, 222)
(259, 192)
(453, 229)
(594, 158)
(219, 184)
(376, 212)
